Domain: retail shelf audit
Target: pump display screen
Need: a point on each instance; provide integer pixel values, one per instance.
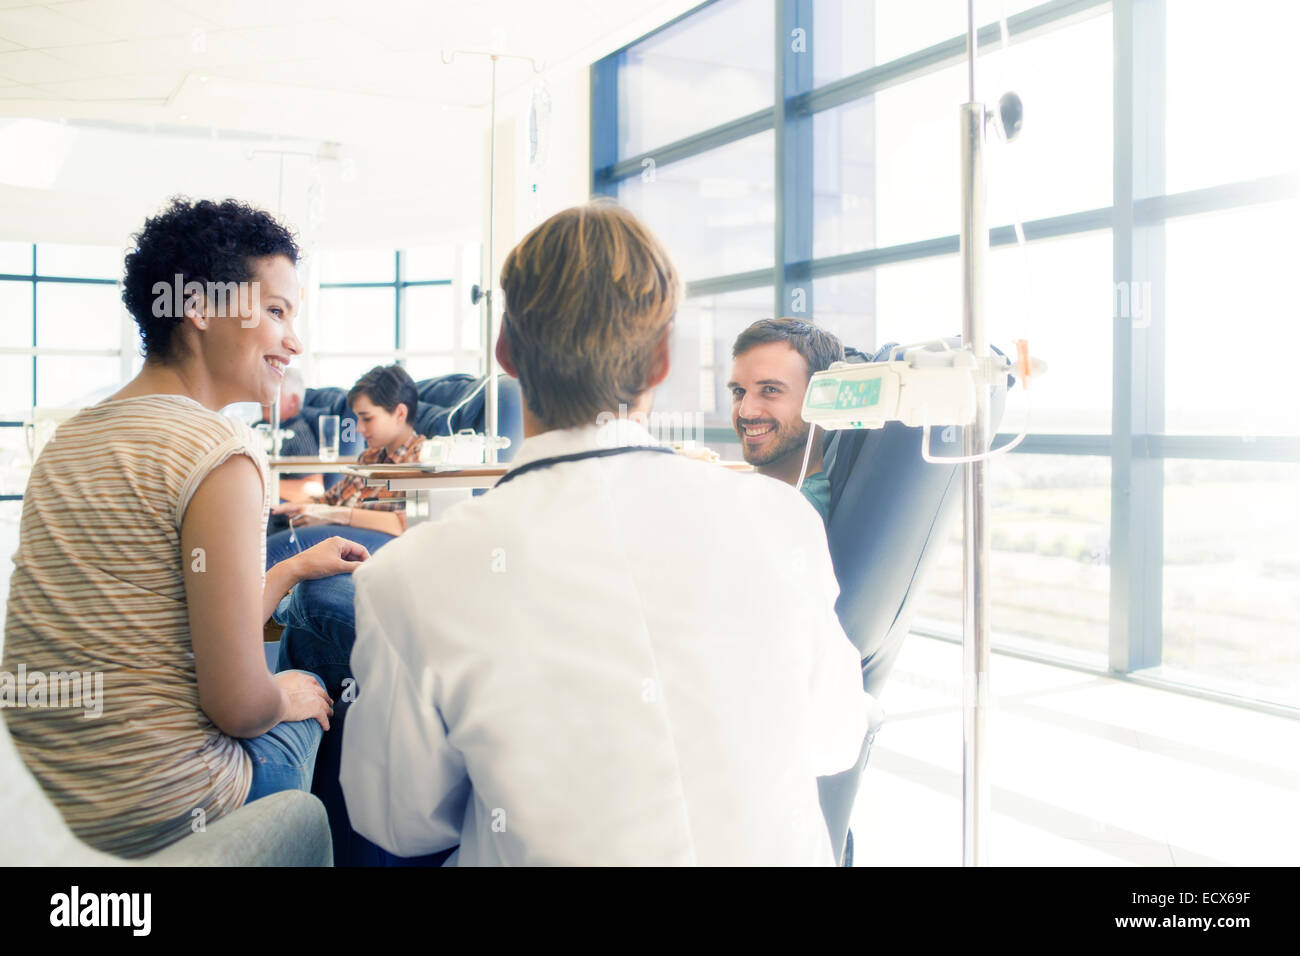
(860, 394)
(823, 392)
(843, 394)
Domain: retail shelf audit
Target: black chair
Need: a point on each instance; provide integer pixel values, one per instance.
(452, 403)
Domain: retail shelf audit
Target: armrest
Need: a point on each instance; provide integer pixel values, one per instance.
(283, 829)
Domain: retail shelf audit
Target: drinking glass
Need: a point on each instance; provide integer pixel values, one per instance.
(329, 437)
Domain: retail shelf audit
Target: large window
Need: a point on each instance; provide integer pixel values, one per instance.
(61, 324)
(1231, 566)
(1146, 523)
(66, 341)
(412, 307)
(61, 331)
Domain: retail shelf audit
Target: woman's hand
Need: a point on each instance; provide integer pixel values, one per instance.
(290, 508)
(332, 556)
(302, 698)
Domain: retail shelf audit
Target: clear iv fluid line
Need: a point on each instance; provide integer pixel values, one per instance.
(807, 451)
(465, 401)
(963, 459)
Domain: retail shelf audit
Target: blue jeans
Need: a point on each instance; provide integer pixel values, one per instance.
(286, 544)
(319, 630)
(284, 757)
(316, 615)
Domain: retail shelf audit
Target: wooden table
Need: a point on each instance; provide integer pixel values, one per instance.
(447, 477)
(303, 465)
(411, 477)
(308, 465)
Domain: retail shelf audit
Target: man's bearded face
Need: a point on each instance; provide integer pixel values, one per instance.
(767, 388)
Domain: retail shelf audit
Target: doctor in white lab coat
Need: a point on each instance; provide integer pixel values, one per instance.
(616, 656)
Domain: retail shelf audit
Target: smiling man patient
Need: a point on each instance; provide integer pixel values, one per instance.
(773, 360)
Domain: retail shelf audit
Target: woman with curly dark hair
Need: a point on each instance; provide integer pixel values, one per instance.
(140, 560)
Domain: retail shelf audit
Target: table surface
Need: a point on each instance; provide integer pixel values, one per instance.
(308, 464)
(310, 460)
(481, 476)
(411, 470)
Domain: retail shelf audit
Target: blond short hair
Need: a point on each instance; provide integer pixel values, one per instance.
(588, 294)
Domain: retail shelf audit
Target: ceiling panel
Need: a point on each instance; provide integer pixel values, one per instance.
(120, 19)
(143, 86)
(22, 94)
(380, 54)
(41, 27)
(232, 14)
(158, 54)
(331, 41)
(36, 66)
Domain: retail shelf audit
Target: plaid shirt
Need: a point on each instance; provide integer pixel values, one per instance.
(353, 492)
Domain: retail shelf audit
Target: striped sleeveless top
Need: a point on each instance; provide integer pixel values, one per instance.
(98, 588)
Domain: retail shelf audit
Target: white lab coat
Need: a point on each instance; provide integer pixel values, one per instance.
(623, 660)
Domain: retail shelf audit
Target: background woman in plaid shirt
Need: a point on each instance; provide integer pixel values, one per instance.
(384, 401)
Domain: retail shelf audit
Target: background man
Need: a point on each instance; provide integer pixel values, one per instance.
(305, 440)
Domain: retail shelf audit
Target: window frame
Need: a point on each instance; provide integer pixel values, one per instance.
(34, 278)
(460, 355)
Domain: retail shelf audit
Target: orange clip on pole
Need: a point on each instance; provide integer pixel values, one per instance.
(1022, 359)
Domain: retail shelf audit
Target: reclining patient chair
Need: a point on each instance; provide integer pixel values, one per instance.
(283, 829)
(891, 513)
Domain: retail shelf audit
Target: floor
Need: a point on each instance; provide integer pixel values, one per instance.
(1085, 771)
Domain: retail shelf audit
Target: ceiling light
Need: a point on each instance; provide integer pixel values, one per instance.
(32, 152)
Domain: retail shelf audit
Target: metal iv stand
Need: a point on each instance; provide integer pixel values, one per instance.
(976, 696)
(487, 295)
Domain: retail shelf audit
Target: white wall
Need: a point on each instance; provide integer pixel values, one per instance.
(95, 184)
(528, 193)
(425, 182)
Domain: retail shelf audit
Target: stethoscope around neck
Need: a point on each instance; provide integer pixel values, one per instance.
(541, 463)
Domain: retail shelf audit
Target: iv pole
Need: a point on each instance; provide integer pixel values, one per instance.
(975, 441)
(487, 325)
(276, 438)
